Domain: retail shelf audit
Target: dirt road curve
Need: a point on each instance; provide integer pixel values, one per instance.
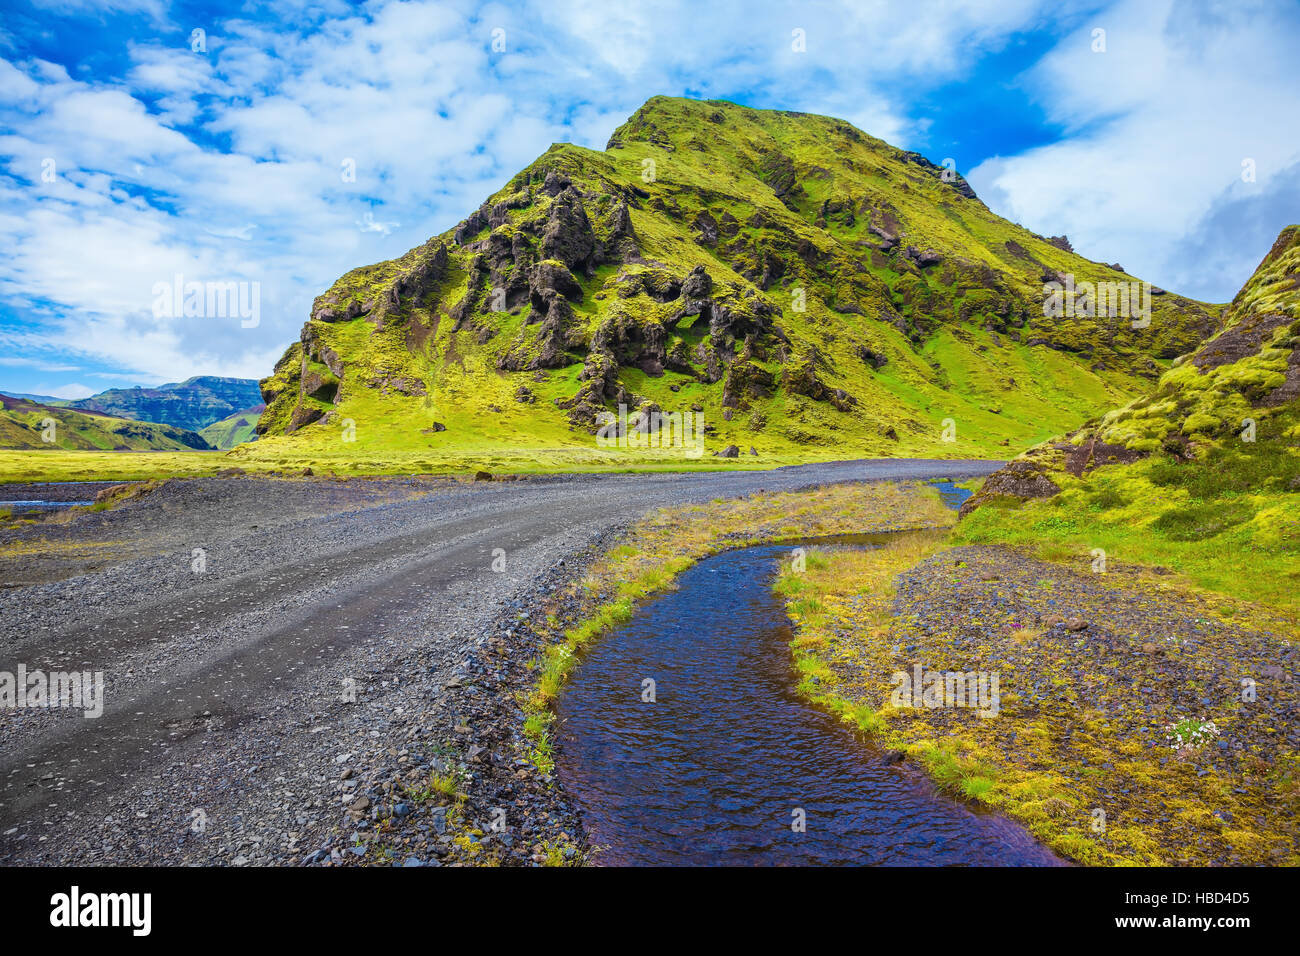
(258, 637)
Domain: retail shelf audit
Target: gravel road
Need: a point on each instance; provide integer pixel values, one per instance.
(274, 650)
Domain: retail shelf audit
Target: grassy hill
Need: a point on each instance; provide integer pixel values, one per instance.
(26, 425)
(1203, 466)
(234, 429)
(812, 291)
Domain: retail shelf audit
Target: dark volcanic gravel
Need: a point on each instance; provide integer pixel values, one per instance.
(281, 656)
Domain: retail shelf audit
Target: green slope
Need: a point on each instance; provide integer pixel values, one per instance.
(813, 291)
(234, 429)
(1201, 473)
(26, 425)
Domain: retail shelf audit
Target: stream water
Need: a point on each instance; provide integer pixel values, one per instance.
(26, 499)
(22, 505)
(721, 765)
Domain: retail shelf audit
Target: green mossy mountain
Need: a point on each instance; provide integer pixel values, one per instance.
(26, 425)
(811, 290)
(192, 404)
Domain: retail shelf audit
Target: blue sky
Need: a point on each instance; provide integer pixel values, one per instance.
(128, 157)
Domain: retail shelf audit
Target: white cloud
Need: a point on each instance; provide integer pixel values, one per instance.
(71, 391)
(154, 8)
(226, 165)
(369, 224)
(24, 361)
(1156, 127)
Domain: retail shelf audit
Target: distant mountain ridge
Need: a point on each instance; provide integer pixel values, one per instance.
(33, 397)
(192, 404)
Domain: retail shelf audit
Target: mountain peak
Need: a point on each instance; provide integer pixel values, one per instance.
(1270, 289)
(673, 123)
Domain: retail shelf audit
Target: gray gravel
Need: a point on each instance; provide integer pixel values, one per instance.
(341, 638)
